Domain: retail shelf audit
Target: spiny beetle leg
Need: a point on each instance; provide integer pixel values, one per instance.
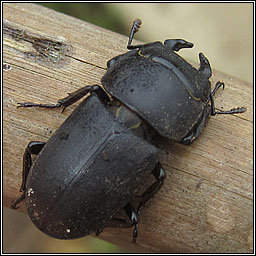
(159, 174)
(97, 233)
(124, 223)
(33, 148)
(133, 216)
(237, 110)
(195, 132)
(15, 203)
(71, 98)
(217, 86)
(209, 110)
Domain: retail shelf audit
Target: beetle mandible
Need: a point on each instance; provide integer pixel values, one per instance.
(95, 163)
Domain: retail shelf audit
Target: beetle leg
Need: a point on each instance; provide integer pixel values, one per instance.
(33, 148)
(198, 128)
(159, 174)
(177, 44)
(97, 233)
(217, 86)
(71, 98)
(231, 111)
(133, 216)
(17, 201)
(118, 223)
(123, 223)
(205, 67)
(209, 110)
(102, 95)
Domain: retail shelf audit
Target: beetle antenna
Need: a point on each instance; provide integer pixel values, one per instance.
(135, 28)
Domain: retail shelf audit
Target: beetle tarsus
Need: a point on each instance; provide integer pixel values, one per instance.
(159, 174)
(71, 98)
(33, 147)
(195, 132)
(97, 233)
(30, 105)
(133, 216)
(238, 110)
(17, 201)
(135, 233)
(217, 86)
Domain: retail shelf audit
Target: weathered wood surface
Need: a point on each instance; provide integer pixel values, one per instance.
(206, 203)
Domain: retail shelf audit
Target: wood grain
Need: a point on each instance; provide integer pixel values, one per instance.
(206, 203)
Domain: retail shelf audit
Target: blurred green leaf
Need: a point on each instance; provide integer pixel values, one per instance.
(100, 14)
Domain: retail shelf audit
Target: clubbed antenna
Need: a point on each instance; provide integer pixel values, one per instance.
(135, 28)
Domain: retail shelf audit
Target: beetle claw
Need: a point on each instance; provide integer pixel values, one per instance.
(14, 204)
(17, 201)
(97, 233)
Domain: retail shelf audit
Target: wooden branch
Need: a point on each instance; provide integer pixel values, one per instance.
(206, 203)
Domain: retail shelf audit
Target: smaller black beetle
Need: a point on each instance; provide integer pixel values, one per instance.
(95, 163)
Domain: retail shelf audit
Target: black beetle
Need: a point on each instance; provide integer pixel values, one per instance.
(96, 162)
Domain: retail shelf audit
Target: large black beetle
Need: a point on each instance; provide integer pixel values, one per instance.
(95, 163)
